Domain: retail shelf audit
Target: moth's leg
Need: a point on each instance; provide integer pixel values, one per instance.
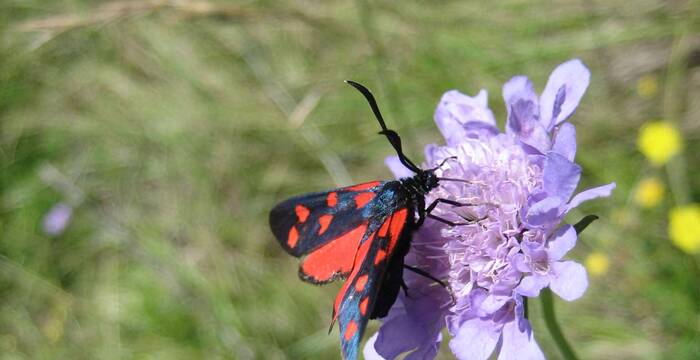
(452, 223)
(404, 287)
(433, 278)
(425, 274)
(438, 201)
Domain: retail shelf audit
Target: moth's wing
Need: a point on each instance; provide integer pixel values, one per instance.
(356, 299)
(327, 227)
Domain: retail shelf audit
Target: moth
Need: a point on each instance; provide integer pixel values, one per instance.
(360, 233)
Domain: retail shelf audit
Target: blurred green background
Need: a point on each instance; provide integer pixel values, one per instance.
(170, 128)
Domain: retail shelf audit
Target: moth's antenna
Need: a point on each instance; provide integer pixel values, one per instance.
(391, 135)
(443, 163)
(455, 180)
(370, 99)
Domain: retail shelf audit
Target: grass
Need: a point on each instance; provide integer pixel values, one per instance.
(173, 127)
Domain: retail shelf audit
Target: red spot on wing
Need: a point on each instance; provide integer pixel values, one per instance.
(335, 257)
(350, 330)
(364, 186)
(362, 199)
(324, 221)
(392, 226)
(398, 221)
(332, 199)
(360, 283)
(385, 227)
(293, 237)
(381, 255)
(359, 258)
(363, 306)
(302, 213)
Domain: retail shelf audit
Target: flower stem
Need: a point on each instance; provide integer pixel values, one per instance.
(550, 320)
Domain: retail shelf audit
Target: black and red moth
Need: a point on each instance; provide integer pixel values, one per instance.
(360, 233)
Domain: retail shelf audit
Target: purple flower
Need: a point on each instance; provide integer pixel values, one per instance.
(56, 220)
(519, 186)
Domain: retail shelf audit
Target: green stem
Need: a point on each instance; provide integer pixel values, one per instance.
(550, 320)
(674, 104)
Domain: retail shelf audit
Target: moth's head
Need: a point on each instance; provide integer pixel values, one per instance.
(427, 180)
(431, 180)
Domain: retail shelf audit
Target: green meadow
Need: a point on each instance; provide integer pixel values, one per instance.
(170, 129)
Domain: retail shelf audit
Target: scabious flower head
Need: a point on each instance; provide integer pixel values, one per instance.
(519, 186)
(684, 228)
(659, 141)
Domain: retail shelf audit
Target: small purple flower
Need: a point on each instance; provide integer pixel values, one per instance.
(520, 185)
(544, 268)
(56, 220)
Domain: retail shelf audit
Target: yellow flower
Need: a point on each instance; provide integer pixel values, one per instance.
(659, 141)
(649, 192)
(597, 263)
(684, 228)
(647, 86)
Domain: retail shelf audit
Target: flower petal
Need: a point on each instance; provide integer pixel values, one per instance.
(493, 303)
(519, 342)
(369, 351)
(563, 241)
(413, 324)
(520, 263)
(398, 335)
(477, 129)
(433, 153)
(560, 176)
(564, 90)
(521, 102)
(519, 88)
(590, 194)
(523, 114)
(569, 280)
(456, 109)
(476, 339)
(397, 167)
(427, 351)
(565, 141)
(543, 212)
(530, 286)
(467, 308)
